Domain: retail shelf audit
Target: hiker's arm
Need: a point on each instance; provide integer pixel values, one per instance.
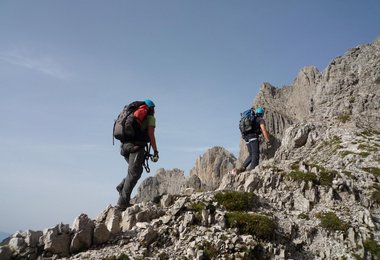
(152, 138)
(265, 132)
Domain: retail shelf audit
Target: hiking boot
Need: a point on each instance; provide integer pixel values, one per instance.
(119, 188)
(124, 207)
(238, 170)
(121, 208)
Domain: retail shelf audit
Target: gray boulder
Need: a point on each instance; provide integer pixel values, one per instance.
(83, 227)
(57, 240)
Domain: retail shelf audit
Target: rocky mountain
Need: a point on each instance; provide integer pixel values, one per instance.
(315, 194)
(347, 91)
(212, 166)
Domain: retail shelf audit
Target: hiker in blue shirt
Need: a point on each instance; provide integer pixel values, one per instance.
(251, 138)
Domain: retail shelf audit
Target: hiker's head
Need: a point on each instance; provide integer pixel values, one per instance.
(259, 111)
(149, 103)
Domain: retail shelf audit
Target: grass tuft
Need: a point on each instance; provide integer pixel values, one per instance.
(373, 170)
(371, 246)
(302, 176)
(237, 201)
(331, 222)
(344, 117)
(256, 225)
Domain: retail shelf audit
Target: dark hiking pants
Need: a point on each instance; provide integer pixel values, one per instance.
(135, 159)
(254, 155)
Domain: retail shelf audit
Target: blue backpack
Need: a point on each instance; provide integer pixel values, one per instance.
(247, 122)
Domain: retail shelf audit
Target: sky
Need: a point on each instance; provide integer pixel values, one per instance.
(68, 67)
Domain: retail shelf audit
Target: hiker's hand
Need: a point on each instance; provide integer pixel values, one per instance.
(155, 156)
(269, 145)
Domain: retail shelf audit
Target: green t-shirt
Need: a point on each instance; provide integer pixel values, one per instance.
(148, 121)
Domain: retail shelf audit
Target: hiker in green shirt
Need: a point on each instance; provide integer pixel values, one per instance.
(134, 153)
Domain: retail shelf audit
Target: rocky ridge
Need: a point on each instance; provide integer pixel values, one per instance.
(347, 90)
(320, 185)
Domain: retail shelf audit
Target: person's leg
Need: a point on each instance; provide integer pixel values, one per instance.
(135, 169)
(124, 151)
(255, 154)
(248, 160)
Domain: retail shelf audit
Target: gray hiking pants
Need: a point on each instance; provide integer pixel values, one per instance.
(254, 154)
(135, 157)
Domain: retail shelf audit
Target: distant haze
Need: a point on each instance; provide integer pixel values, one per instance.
(3, 236)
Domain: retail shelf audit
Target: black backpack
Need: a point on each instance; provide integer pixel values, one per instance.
(247, 123)
(125, 127)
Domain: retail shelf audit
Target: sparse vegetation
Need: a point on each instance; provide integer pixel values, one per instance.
(336, 140)
(331, 146)
(345, 153)
(303, 216)
(373, 170)
(121, 257)
(295, 166)
(237, 201)
(364, 154)
(197, 207)
(223, 237)
(299, 176)
(163, 256)
(210, 251)
(331, 222)
(368, 148)
(376, 194)
(327, 176)
(371, 246)
(348, 173)
(369, 133)
(344, 117)
(256, 225)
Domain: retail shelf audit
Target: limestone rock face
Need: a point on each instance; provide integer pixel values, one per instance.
(212, 166)
(165, 181)
(206, 175)
(347, 91)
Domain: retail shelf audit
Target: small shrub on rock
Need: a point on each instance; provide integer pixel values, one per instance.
(256, 225)
(121, 257)
(369, 133)
(376, 194)
(237, 201)
(326, 177)
(304, 216)
(372, 170)
(210, 251)
(299, 176)
(344, 117)
(197, 207)
(371, 246)
(331, 222)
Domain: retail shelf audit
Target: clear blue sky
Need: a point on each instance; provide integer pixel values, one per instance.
(68, 67)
